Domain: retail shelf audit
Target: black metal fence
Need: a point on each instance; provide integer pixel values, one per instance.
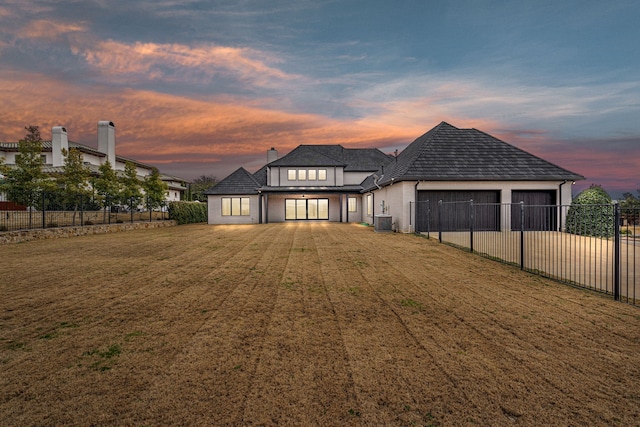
(57, 211)
(590, 246)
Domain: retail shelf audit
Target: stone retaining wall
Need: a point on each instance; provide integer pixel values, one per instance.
(63, 232)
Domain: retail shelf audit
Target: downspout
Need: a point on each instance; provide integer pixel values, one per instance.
(560, 204)
(347, 197)
(415, 208)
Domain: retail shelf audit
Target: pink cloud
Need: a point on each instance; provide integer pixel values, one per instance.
(158, 61)
(49, 30)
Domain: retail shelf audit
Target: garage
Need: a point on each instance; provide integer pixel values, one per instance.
(455, 213)
(540, 210)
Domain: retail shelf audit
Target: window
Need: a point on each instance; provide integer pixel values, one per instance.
(312, 175)
(302, 175)
(353, 204)
(369, 204)
(306, 209)
(322, 174)
(291, 174)
(235, 206)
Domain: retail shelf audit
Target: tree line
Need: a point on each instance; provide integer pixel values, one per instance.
(26, 181)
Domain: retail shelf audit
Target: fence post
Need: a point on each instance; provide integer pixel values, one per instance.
(616, 251)
(522, 235)
(44, 215)
(471, 220)
(81, 210)
(440, 220)
(428, 219)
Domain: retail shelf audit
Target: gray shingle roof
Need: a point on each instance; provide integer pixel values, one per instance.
(352, 159)
(447, 153)
(309, 155)
(239, 182)
(261, 176)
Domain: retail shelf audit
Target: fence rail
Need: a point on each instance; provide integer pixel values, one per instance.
(76, 212)
(590, 246)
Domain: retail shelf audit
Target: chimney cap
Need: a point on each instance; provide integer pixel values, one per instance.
(106, 123)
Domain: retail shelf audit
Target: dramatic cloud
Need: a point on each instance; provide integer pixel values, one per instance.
(171, 61)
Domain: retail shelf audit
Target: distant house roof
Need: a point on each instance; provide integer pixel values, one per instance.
(447, 153)
(352, 159)
(239, 182)
(47, 147)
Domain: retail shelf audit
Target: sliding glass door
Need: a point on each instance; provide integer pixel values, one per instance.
(303, 209)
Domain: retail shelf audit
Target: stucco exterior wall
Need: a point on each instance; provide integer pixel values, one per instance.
(214, 208)
(278, 176)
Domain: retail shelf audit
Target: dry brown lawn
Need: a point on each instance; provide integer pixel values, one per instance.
(302, 324)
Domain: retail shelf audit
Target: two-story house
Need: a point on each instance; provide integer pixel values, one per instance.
(311, 183)
(448, 164)
(54, 159)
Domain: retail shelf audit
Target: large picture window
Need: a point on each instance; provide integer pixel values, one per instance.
(299, 209)
(236, 206)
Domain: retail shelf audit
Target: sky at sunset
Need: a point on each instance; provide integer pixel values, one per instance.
(202, 87)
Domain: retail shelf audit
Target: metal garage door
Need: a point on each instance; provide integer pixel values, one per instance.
(540, 210)
(455, 212)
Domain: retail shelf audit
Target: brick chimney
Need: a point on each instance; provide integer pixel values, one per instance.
(107, 140)
(59, 142)
(272, 154)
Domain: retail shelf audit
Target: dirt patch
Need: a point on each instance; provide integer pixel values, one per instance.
(302, 324)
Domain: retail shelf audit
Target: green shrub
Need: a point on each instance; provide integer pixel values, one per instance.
(591, 214)
(188, 212)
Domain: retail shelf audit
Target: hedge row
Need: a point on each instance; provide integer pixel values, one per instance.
(188, 212)
(591, 214)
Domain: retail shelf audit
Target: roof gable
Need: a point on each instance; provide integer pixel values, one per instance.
(447, 153)
(239, 182)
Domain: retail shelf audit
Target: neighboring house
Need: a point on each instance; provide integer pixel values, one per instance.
(53, 158)
(332, 183)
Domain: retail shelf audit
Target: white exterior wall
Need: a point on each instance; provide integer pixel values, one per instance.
(214, 214)
(352, 216)
(355, 178)
(9, 157)
(396, 198)
(278, 176)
